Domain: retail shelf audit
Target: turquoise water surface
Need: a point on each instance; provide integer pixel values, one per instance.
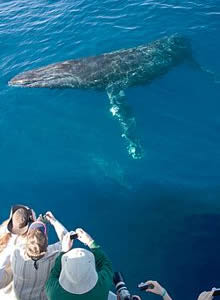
(61, 150)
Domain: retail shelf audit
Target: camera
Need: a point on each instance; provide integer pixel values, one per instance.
(144, 286)
(216, 292)
(43, 218)
(73, 235)
(121, 289)
(120, 286)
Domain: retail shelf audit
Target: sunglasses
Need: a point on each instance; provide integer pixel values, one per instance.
(38, 225)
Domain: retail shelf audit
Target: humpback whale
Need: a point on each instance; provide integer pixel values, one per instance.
(114, 72)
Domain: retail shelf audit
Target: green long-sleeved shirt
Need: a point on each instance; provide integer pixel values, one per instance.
(54, 290)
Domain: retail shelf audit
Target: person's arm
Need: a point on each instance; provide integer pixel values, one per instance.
(103, 264)
(158, 289)
(6, 277)
(5, 256)
(5, 272)
(55, 272)
(59, 228)
(101, 260)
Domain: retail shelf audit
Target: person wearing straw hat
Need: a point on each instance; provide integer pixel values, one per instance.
(12, 233)
(81, 274)
(19, 220)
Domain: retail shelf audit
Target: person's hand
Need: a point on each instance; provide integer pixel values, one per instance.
(84, 237)
(158, 289)
(67, 242)
(50, 217)
(206, 295)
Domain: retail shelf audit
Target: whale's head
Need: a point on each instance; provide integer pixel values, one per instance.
(26, 79)
(52, 76)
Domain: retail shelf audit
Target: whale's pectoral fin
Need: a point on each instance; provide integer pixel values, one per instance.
(123, 113)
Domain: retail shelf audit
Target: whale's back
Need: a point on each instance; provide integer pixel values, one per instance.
(127, 67)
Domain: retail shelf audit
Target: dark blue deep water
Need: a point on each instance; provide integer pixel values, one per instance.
(61, 150)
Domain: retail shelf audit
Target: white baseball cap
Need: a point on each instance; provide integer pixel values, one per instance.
(78, 274)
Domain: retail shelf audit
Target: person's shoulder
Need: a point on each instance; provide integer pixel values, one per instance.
(53, 251)
(18, 241)
(105, 277)
(54, 248)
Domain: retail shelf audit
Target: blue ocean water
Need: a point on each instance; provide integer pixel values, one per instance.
(61, 150)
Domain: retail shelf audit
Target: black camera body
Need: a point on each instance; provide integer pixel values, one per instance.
(216, 292)
(144, 286)
(43, 218)
(74, 236)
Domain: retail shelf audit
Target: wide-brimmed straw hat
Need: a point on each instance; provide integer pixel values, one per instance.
(20, 219)
(78, 274)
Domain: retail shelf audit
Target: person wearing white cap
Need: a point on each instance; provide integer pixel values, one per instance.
(81, 274)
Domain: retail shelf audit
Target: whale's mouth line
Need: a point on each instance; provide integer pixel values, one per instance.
(42, 80)
(17, 83)
(24, 83)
